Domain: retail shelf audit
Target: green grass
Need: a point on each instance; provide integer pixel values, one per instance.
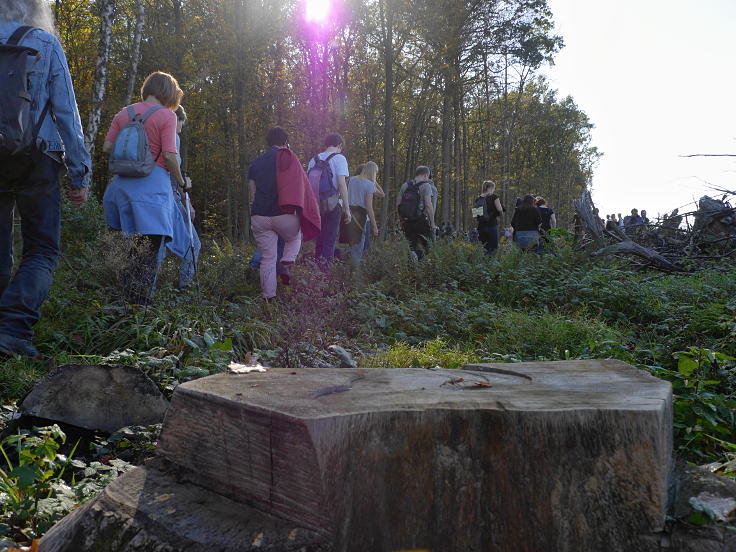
(457, 306)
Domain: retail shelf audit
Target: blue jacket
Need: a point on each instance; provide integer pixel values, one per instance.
(50, 80)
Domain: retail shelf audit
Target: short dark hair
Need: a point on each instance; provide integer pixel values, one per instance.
(527, 201)
(333, 141)
(181, 115)
(277, 136)
(421, 169)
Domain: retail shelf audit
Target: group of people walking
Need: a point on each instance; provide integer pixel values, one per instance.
(530, 224)
(41, 131)
(629, 221)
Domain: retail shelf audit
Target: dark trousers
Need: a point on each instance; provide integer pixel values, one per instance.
(327, 240)
(418, 234)
(38, 202)
(488, 236)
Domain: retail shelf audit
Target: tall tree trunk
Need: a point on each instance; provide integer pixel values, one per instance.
(107, 15)
(446, 193)
(387, 11)
(179, 39)
(135, 51)
(458, 158)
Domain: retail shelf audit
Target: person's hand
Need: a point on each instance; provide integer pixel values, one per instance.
(374, 231)
(187, 183)
(78, 196)
(192, 212)
(346, 216)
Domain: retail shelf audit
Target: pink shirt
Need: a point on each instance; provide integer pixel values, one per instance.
(160, 128)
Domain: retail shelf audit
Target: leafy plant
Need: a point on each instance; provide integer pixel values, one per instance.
(38, 467)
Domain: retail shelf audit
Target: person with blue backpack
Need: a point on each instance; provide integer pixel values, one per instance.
(327, 173)
(40, 133)
(143, 157)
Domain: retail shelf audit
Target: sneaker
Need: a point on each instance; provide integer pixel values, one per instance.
(10, 345)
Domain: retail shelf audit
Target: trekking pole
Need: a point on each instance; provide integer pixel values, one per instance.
(190, 229)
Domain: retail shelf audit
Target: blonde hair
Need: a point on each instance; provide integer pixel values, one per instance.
(488, 185)
(164, 88)
(369, 171)
(34, 13)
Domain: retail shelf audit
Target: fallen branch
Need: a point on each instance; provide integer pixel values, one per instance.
(634, 248)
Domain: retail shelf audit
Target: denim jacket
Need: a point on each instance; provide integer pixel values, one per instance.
(50, 80)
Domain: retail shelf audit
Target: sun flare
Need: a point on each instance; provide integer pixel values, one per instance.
(317, 11)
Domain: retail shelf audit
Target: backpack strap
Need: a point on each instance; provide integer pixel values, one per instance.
(41, 117)
(327, 159)
(19, 34)
(131, 113)
(150, 112)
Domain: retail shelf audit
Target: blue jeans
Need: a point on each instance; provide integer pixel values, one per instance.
(527, 239)
(325, 249)
(38, 201)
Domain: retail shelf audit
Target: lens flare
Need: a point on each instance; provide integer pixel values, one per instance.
(317, 11)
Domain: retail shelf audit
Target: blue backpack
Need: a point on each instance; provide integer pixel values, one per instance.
(131, 153)
(322, 182)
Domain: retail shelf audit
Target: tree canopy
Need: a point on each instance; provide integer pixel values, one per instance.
(450, 84)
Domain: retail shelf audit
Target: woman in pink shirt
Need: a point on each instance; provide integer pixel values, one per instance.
(145, 206)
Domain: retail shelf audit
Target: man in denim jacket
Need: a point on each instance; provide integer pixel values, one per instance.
(38, 197)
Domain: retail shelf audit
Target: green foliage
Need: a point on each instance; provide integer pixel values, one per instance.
(427, 355)
(33, 492)
(704, 384)
(37, 468)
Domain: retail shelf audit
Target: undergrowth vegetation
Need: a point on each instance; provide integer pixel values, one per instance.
(455, 307)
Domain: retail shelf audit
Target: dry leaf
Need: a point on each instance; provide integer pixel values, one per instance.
(236, 368)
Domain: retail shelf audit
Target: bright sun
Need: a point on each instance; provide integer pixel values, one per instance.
(317, 11)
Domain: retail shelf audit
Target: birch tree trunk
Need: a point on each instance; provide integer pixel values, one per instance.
(135, 51)
(107, 15)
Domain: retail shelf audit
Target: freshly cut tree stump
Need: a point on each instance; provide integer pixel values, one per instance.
(554, 456)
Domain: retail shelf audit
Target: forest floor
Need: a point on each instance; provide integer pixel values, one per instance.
(455, 306)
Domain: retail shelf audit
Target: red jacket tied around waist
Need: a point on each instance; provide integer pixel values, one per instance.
(295, 193)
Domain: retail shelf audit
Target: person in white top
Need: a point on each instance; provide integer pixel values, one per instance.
(338, 204)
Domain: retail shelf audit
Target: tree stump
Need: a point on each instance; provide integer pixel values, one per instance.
(558, 456)
(97, 397)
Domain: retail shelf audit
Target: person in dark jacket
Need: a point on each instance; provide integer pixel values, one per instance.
(526, 222)
(488, 229)
(36, 192)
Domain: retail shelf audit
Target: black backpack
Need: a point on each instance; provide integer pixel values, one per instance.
(411, 206)
(18, 131)
(480, 210)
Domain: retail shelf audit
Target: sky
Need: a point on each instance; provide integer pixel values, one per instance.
(657, 78)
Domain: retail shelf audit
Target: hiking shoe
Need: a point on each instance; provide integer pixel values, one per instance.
(10, 345)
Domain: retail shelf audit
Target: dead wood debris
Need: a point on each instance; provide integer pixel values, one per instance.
(675, 243)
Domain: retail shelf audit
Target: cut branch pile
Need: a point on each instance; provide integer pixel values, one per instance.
(675, 243)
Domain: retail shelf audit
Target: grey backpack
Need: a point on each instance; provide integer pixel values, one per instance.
(131, 154)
